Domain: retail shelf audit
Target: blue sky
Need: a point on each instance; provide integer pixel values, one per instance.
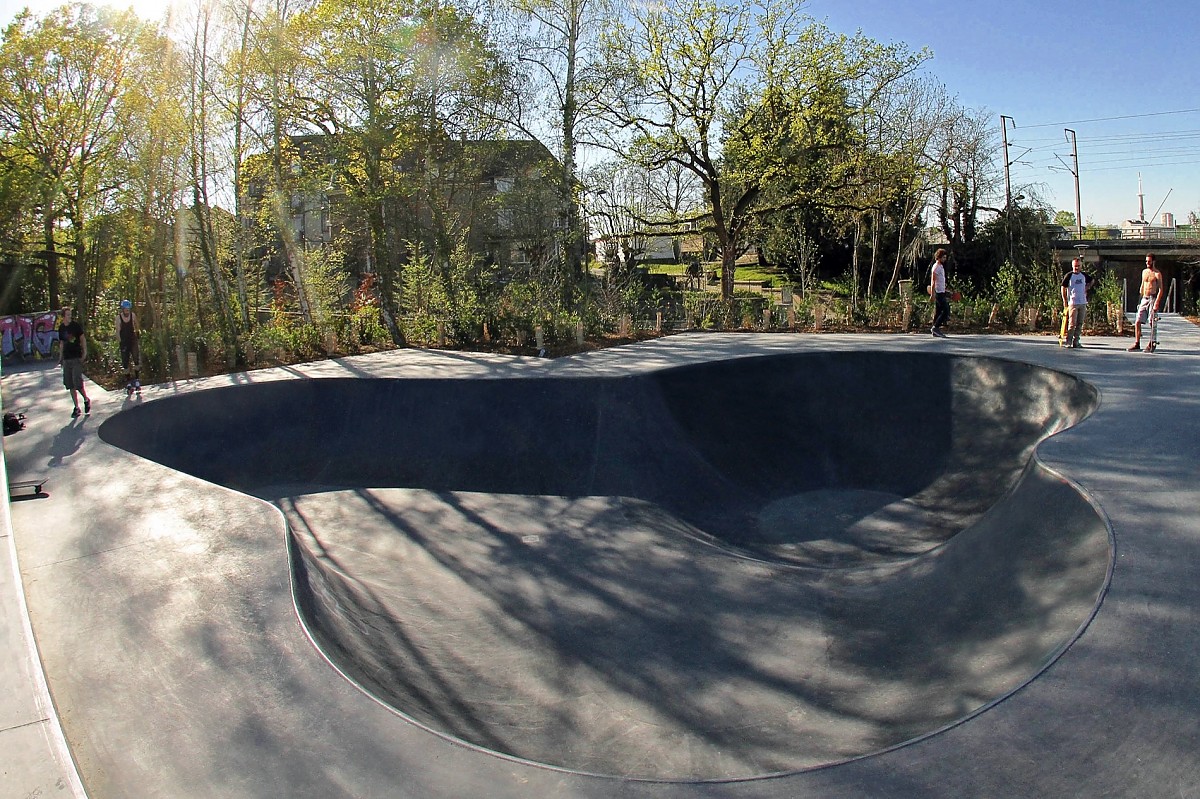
(1052, 65)
(1048, 65)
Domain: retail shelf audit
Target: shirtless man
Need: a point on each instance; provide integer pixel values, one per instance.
(1152, 284)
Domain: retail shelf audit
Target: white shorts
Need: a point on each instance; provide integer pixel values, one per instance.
(1145, 307)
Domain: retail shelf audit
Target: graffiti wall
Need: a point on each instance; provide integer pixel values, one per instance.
(26, 334)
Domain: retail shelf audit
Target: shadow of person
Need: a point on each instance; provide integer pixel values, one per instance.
(66, 442)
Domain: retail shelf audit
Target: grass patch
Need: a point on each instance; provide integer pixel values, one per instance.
(742, 274)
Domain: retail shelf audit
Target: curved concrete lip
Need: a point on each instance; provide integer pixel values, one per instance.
(193, 644)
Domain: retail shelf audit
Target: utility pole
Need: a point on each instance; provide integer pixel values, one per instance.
(1075, 172)
(1007, 163)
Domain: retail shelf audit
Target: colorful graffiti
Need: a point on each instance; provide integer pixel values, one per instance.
(26, 334)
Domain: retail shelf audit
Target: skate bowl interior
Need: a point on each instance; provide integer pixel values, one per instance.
(710, 572)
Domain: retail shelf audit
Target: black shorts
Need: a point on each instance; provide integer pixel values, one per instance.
(73, 374)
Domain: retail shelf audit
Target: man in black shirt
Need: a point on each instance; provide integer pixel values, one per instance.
(72, 352)
(128, 339)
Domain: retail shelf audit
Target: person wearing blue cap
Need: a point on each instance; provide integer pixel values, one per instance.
(127, 336)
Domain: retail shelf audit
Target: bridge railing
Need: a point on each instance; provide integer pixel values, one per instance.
(1181, 233)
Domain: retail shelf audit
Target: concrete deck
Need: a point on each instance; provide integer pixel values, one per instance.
(164, 609)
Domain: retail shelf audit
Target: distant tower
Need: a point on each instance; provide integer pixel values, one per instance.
(1141, 200)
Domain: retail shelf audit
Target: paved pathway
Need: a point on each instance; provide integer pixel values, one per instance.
(178, 667)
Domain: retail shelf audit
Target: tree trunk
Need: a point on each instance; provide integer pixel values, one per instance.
(854, 254)
(573, 249)
(728, 270)
(238, 146)
(874, 252)
(83, 307)
(908, 209)
(52, 284)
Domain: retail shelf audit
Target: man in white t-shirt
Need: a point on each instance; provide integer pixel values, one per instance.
(1075, 287)
(937, 290)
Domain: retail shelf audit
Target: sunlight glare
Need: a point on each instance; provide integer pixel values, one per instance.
(149, 10)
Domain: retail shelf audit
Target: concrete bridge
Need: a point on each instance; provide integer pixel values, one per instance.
(1178, 259)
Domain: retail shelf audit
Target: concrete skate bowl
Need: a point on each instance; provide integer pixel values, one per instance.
(711, 572)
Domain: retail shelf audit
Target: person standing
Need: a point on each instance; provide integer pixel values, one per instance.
(937, 290)
(1075, 288)
(1152, 285)
(72, 352)
(127, 338)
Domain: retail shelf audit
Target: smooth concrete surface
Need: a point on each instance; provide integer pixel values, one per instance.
(36, 761)
(163, 606)
(610, 576)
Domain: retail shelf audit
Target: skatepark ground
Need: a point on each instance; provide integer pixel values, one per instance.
(707, 565)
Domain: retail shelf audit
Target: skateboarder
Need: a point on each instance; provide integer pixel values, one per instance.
(1075, 287)
(72, 352)
(127, 337)
(1152, 286)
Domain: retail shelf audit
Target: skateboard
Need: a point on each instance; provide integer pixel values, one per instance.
(34, 487)
(1153, 345)
(1062, 333)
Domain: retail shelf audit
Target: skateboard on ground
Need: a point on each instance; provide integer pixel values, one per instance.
(1062, 333)
(34, 487)
(1153, 345)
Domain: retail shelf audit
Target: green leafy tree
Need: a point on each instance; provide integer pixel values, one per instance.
(392, 86)
(755, 100)
(266, 71)
(25, 288)
(1016, 238)
(63, 79)
(1064, 219)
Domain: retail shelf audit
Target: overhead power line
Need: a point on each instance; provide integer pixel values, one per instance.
(1111, 119)
(1107, 152)
(1129, 168)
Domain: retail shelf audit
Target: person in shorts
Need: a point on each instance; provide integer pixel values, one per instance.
(72, 352)
(128, 341)
(1152, 286)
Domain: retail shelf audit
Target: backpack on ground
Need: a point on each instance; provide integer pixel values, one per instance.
(13, 422)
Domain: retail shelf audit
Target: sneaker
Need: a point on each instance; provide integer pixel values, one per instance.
(75, 413)
(87, 405)
(1134, 348)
